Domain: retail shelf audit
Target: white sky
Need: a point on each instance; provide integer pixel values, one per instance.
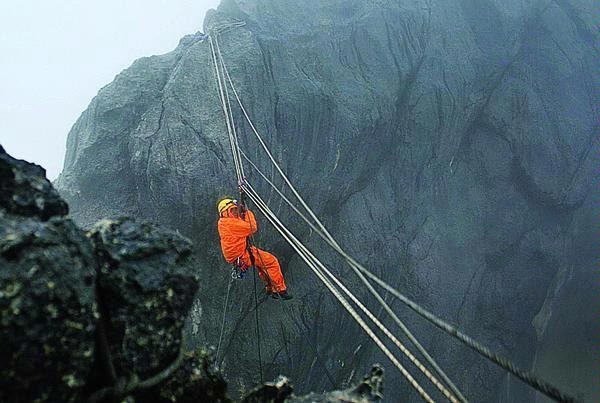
(56, 54)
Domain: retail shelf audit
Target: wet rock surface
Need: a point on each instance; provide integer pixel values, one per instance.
(451, 145)
(24, 190)
(59, 286)
(196, 380)
(47, 303)
(146, 286)
(370, 389)
(98, 316)
(47, 310)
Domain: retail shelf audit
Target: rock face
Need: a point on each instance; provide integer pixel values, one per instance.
(146, 287)
(72, 305)
(47, 303)
(25, 191)
(450, 145)
(370, 389)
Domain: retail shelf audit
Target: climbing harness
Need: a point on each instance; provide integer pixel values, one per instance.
(239, 269)
(331, 282)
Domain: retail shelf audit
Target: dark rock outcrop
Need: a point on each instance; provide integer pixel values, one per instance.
(102, 317)
(196, 380)
(450, 143)
(146, 286)
(24, 190)
(370, 389)
(79, 313)
(47, 303)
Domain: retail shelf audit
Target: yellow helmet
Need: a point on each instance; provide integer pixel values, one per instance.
(225, 203)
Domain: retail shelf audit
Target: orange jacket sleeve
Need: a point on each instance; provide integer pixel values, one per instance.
(243, 228)
(233, 232)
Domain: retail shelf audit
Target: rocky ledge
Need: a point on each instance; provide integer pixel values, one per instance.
(101, 315)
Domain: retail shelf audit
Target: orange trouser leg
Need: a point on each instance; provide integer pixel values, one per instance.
(268, 269)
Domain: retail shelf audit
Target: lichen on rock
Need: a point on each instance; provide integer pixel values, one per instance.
(146, 286)
(24, 190)
(47, 303)
(370, 389)
(101, 316)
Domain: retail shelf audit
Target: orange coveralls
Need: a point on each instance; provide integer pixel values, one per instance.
(233, 232)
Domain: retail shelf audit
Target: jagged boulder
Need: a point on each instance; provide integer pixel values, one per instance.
(47, 303)
(196, 380)
(146, 286)
(50, 310)
(370, 389)
(126, 286)
(24, 190)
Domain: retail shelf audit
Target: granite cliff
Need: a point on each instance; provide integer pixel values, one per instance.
(449, 145)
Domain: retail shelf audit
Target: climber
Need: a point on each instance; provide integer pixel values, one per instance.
(236, 224)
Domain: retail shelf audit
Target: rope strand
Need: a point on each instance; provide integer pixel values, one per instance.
(526, 376)
(226, 112)
(235, 150)
(319, 269)
(374, 319)
(308, 258)
(225, 306)
(396, 319)
(327, 236)
(258, 342)
(523, 375)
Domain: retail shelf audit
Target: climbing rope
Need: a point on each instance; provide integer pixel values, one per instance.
(320, 274)
(310, 260)
(225, 309)
(332, 242)
(377, 322)
(526, 376)
(403, 327)
(523, 375)
(258, 341)
(319, 270)
(236, 150)
(228, 120)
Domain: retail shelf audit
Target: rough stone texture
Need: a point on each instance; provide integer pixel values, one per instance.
(50, 306)
(195, 381)
(130, 283)
(370, 389)
(146, 286)
(450, 145)
(24, 190)
(47, 303)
